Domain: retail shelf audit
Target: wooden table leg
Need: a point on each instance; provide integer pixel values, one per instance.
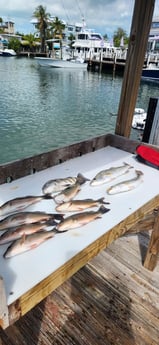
(4, 320)
(153, 247)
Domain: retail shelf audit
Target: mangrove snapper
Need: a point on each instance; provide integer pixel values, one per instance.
(127, 185)
(27, 243)
(110, 174)
(79, 219)
(57, 185)
(17, 219)
(67, 194)
(79, 205)
(18, 204)
(13, 234)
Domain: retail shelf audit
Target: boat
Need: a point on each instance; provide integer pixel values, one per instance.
(151, 72)
(61, 63)
(7, 52)
(89, 44)
(139, 119)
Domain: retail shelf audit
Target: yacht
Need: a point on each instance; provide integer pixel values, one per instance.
(89, 44)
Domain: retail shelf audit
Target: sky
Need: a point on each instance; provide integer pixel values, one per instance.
(104, 16)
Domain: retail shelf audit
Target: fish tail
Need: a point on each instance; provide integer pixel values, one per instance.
(139, 172)
(103, 209)
(128, 165)
(58, 216)
(101, 201)
(50, 222)
(82, 179)
(47, 196)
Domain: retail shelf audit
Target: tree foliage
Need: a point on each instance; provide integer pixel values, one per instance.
(15, 44)
(43, 21)
(120, 34)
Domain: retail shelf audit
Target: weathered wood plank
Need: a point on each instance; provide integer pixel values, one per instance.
(153, 248)
(4, 321)
(20, 168)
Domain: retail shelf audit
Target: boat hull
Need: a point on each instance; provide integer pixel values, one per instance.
(150, 74)
(56, 63)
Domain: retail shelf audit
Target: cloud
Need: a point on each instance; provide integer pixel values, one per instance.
(104, 16)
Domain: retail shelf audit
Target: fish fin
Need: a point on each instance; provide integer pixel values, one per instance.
(139, 172)
(23, 239)
(103, 209)
(47, 196)
(58, 216)
(127, 164)
(81, 179)
(50, 222)
(101, 201)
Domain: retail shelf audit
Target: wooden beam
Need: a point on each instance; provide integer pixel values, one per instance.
(153, 247)
(140, 27)
(4, 321)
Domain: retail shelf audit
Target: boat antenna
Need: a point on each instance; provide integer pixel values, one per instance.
(82, 15)
(67, 17)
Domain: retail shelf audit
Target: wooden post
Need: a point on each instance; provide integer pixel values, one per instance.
(141, 23)
(153, 247)
(4, 320)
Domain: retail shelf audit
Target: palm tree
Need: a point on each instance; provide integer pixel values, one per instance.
(57, 26)
(43, 20)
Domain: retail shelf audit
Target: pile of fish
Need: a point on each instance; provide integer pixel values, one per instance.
(26, 230)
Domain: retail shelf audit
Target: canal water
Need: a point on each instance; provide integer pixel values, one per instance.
(45, 108)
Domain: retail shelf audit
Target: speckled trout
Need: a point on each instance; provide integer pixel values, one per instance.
(79, 219)
(80, 205)
(13, 234)
(57, 185)
(127, 185)
(18, 204)
(17, 219)
(27, 243)
(110, 174)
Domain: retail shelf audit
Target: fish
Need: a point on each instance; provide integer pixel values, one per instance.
(79, 219)
(57, 185)
(17, 219)
(27, 243)
(79, 205)
(107, 175)
(127, 185)
(67, 194)
(18, 204)
(13, 234)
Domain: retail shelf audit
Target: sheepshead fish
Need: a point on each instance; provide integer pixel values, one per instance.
(13, 234)
(67, 194)
(127, 185)
(27, 243)
(17, 219)
(57, 185)
(79, 205)
(79, 219)
(18, 204)
(110, 174)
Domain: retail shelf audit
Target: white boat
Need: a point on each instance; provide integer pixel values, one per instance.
(7, 52)
(61, 63)
(89, 43)
(139, 119)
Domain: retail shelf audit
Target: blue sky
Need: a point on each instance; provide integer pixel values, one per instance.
(104, 16)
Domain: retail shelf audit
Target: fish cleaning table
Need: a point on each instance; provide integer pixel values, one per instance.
(29, 277)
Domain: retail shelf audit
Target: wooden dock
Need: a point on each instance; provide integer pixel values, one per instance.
(113, 300)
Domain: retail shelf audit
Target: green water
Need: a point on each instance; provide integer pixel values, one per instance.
(45, 108)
